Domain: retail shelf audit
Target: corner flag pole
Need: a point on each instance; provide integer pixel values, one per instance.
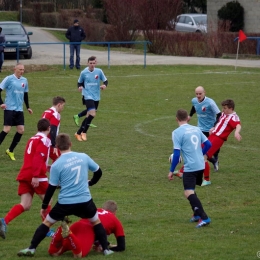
(237, 54)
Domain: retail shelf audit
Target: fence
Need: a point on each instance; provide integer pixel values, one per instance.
(144, 43)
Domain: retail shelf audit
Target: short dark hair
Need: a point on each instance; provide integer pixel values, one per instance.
(43, 124)
(91, 58)
(57, 100)
(229, 103)
(182, 115)
(63, 142)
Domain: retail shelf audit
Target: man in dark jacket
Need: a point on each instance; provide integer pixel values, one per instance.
(75, 34)
(2, 42)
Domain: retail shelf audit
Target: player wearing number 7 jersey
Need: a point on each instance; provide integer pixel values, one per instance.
(70, 171)
(32, 176)
(188, 140)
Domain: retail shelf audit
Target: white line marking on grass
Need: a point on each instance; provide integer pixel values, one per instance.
(138, 128)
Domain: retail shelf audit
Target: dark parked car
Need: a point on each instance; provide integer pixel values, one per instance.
(16, 35)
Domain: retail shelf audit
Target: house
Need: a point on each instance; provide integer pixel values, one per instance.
(251, 15)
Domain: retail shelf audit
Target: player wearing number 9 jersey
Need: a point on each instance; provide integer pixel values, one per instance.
(70, 171)
(188, 140)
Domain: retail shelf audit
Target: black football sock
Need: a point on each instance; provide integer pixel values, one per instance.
(101, 235)
(38, 236)
(2, 136)
(82, 127)
(87, 123)
(16, 140)
(197, 206)
(83, 113)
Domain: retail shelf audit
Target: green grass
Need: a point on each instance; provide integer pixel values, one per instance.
(132, 144)
(9, 16)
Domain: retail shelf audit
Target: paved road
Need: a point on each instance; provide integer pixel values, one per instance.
(54, 54)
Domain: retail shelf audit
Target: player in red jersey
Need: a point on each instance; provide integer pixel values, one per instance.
(32, 176)
(227, 122)
(80, 237)
(53, 115)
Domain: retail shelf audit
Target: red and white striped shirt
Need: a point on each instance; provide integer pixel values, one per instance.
(226, 124)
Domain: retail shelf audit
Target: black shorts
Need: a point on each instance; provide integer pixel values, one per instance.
(91, 104)
(191, 179)
(81, 210)
(13, 118)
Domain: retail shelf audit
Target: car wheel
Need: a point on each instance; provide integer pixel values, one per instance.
(29, 54)
(198, 31)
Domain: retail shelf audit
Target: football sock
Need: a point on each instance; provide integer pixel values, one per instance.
(14, 212)
(82, 127)
(56, 242)
(83, 113)
(206, 171)
(2, 136)
(87, 123)
(197, 206)
(16, 140)
(101, 236)
(72, 243)
(47, 212)
(38, 236)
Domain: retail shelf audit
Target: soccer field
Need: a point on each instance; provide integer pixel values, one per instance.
(132, 143)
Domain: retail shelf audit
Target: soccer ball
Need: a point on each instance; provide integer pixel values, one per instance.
(171, 156)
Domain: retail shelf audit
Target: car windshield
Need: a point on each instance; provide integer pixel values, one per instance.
(12, 29)
(200, 19)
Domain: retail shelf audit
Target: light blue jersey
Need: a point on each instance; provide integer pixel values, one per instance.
(188, 140)
(15, 89)
(91, 80)
(70, 171)
(206, 113)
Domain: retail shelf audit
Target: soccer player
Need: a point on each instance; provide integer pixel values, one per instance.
(53, 115)
(16, 87)
(208, 114)
(188, 140)
(70, 171)
(89, 84)
(80, 236)
(227, 122)
(32, 176)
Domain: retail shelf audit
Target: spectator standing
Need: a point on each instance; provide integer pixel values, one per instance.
(75, 34)
(16, 87)
(2, 47)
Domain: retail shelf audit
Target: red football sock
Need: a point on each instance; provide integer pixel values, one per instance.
(72, 243)
(47, 212)
(56, 242)
(206, 171)
(14, 212)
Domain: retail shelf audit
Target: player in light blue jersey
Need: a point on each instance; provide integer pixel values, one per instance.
(89, 83)
(70, 171)
(208, 115)
(188, 140)
(16, 88)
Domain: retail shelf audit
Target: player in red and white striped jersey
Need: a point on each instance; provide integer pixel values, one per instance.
(228, 121)
(53, 115)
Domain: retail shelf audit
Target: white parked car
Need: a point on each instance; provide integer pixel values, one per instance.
(190, 23)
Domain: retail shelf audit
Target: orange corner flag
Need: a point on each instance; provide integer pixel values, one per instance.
(241, 36)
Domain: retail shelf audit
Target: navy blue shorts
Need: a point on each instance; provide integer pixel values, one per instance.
(191, 179)
(91, 104)
(82, 210)
(13, 118)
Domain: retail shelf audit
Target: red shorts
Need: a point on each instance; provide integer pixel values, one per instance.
(216, 143)
(26, 187)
